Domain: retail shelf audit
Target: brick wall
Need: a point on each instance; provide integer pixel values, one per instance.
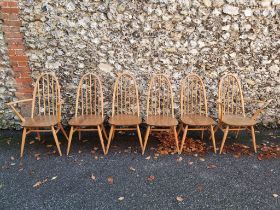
(15, 48)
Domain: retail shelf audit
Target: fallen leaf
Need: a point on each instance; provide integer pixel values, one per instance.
(202, 159)
(190, 163)
(121, 198)
(53, 178)
(179, 159)
(199, 188)
(32, 142)
(110, 180)
(275, 195)
(12, 158)
(80, 151)
(210, 166)
(93, 177)
(148, 158)
(12, 164)
(132, 169)
(151, 178)
(49, 145)
(179, 198)
(39, 183)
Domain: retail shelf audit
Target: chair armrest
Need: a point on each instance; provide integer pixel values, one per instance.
(11, 104)
(260, 110)
(20, 101)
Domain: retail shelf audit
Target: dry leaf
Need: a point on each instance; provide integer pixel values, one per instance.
(179, 198)
(131, 168)
(121, 198)
(275, 195)
(148, 158)
(53, 178)
(39, 183)
(93, 177)
(202, 159)
(32, 142)
(110, 180)
(151, 178)
(190, 163)
(12, 158)
(49, 145)
(199, 188)
(210, 166)
(179, 159)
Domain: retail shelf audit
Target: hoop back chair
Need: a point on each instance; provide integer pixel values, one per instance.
(194, 110)
(45, 112)
(89, 109)
(125, 107)
(231, 110)
(160, 108)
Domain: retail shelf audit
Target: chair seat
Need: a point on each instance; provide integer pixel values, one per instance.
(238, 120)
(162, 121)
(40, 121)
(125, 120)
(86, 120)
(197, 120)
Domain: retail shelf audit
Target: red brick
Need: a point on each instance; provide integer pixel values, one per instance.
(10, 29)
(9, 10)
(14, 41)
(12, 4)
(22, 64)
(19, 58)
(12, 23)
(3, 4)
(24, 80)
(16, 46)
(13, 35)
(21, 69)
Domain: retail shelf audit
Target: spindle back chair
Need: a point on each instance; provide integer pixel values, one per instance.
(231, 111)
(160, 108)
(194, 109)
(89, 109)
(125, 107)
(45, 111)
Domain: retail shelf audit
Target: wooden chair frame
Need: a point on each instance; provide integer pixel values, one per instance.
(160, 107)
(192, 102)
(89, 106)
(122, 108)
(51, 105)
(227, 107)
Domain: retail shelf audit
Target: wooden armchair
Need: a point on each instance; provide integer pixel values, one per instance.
(194, 110)
(89, 109)
(231, 109)
(46, 110)
(160, 108)
(125, 107)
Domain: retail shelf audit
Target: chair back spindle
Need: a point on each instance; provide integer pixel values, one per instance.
(193, 96)
(230, 96)
(125, 96)
(160, 98)
(89, 99)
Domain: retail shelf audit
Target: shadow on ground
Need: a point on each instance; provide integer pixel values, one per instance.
(80, 180)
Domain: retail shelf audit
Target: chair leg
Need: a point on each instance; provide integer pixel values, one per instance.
(80, 135)
(180, 129)
(202, 134)
(56, 141)
(237, 133)
(140, 137)
(146, 138)
(22, 142)
(213, 138)
(38, 136)
(184, 138)
(215, 130)
(254, 138)
(63, 131)
(101, 138)
(70, 139)
(176, 139)
(224, 139)
(110, 138)
(104, 131)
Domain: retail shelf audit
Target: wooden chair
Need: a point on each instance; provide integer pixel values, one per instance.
(125, 107)
(160, 108)
(231, 109)
(194, 110)
(46, 110)
(89, 109)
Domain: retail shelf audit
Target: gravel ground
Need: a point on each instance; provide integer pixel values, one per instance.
(138, 182)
